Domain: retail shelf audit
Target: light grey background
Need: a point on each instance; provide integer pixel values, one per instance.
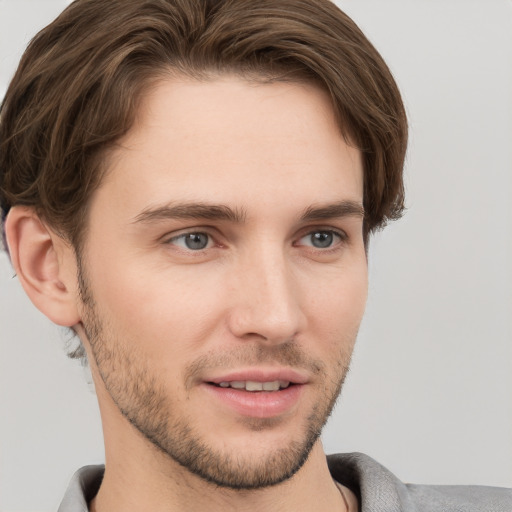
(430, 391)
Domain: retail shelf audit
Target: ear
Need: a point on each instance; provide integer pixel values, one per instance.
(45, 265)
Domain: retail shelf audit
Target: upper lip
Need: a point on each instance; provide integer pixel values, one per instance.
(261, 375)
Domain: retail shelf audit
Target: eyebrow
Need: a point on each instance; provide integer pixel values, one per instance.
(191, 211)
(340, 209)
(217, 212)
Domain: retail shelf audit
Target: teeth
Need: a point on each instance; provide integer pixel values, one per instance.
(271, 386)
(250, 385)
(253, 386)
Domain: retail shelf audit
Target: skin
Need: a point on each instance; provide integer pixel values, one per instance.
(160, 320)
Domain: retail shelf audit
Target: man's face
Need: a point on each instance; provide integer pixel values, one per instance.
(224, 275)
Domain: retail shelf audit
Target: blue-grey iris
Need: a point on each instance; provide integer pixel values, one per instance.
(196, 241)
(322, 239)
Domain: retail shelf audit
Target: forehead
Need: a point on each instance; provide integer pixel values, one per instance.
(229, 139)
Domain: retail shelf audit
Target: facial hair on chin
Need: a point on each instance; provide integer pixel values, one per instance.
(148, 406)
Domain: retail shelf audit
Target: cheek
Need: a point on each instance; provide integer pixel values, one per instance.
(338, 310)
(165, 311)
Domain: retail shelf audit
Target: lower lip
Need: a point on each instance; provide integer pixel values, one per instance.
(258, 404)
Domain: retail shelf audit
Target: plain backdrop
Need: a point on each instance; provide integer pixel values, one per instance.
(430, 390)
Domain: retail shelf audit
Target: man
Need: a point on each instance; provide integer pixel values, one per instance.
(190, 186)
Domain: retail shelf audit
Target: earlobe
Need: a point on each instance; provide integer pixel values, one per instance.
(44, 265)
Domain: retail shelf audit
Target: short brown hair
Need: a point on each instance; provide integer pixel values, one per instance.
(79, 82)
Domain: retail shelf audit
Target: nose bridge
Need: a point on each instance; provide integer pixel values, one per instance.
(267, 303)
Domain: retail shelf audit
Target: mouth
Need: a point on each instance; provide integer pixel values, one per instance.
(254, 386)
(258, 394)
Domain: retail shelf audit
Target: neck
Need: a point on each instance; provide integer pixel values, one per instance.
(156, 483)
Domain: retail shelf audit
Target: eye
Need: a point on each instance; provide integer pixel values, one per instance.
(321, 239)
(194, 241)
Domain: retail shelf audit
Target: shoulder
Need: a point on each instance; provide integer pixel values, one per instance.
(378, 489)
(463, 498)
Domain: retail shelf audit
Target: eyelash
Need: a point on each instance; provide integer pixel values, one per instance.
(335, 233)
(183, 236)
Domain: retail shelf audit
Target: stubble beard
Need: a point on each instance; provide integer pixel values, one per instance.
(147, 405)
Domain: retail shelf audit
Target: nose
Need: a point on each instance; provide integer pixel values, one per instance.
(265, 299)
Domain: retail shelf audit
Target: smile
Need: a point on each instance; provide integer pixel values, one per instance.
(257, 395)
(250, 385)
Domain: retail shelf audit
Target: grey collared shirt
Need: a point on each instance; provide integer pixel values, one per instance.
(81, 490)
(376, 488)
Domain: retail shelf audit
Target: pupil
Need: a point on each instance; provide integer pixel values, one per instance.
(322, 239)
(196, 241)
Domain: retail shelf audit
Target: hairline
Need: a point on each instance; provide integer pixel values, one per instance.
(104, 157)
